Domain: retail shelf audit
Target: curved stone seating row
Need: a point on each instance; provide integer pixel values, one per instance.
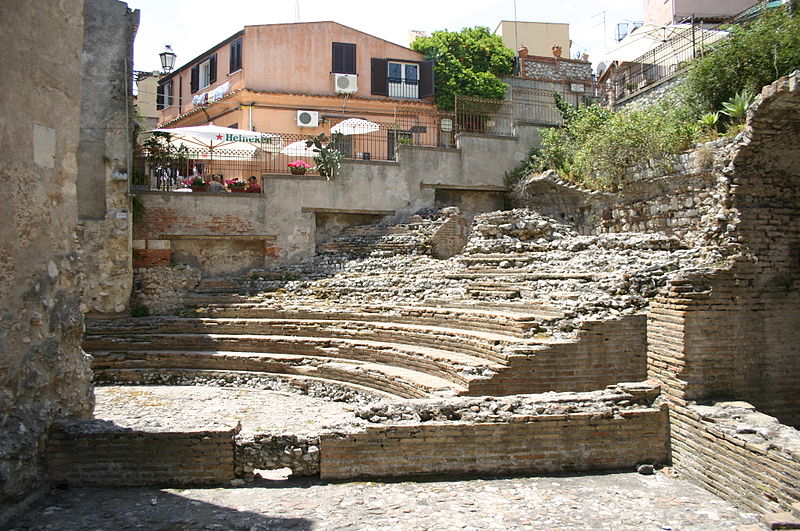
(458, 367)
(483, 345)
(121, 366)
(347, 345)
(515, 322)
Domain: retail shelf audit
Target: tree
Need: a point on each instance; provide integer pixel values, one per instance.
(466, 62)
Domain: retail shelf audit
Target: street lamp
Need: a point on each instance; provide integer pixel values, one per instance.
(167, 59)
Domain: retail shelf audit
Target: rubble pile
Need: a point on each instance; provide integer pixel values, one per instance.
(512, 258)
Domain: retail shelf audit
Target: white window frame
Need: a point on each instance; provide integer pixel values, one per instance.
(404, 88)
(204, 75)
(167, 97)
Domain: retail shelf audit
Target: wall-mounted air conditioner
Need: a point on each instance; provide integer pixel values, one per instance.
(307, 119)
(345, 83)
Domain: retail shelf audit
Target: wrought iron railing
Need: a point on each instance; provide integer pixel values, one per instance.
(680, 46)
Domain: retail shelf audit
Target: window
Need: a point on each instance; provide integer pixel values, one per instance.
(402, 79)
(236, 56)
(344, 58)
(204, 73)
(164, 97)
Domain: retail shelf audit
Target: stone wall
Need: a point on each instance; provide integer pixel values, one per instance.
(545, 444)
(682, 195)
(45, 373)
(651, 94)
(104, 229)
(740, 455)
(283, 221)
(550, 68)
(92, 453)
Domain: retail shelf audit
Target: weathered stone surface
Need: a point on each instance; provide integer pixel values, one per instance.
(45, 375)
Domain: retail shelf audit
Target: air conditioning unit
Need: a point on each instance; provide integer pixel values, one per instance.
(345, 83)
(307, 119)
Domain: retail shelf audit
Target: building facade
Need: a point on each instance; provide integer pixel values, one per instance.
(665, 12)
(538, 37)
(299, 78)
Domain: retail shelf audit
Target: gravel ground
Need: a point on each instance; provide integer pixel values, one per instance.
(618, 502)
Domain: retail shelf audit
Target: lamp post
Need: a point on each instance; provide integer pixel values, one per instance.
(167, 59)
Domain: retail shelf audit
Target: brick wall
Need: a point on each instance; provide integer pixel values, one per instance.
(544, 444)
(604, 353)
(756, 476)
(109, 457)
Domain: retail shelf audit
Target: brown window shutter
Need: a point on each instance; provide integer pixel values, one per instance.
(195, 82)
(379, 77)
(160, 97)
(343, 59)
(213, 68)
(426, 87)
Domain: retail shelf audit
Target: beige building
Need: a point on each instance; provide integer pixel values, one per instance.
(538, 37)
(665, 12)
(299, 79)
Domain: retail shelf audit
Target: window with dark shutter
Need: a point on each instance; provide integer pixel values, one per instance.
(379, 77)
(195, 81)
(160, 97)
(236, 56)
(213, 69)
(426, 88)
(344, 58)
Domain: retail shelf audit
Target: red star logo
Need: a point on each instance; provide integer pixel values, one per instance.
(219, 137)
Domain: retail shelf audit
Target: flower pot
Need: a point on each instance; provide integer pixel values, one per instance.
(238, 189)
(199, 188)
(297, 171)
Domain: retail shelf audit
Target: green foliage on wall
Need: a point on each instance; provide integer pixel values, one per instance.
(466, 62)
(596, 145)
(753, 55)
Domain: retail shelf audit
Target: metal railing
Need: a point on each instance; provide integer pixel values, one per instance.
(673, 56)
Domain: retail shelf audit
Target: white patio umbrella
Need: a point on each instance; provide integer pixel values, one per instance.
(208, 139)
(298, 149)
(355, 126)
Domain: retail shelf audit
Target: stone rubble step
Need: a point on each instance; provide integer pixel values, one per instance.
(407, 383)
(516, 322)
(433, 358)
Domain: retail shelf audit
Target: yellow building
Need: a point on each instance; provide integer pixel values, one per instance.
(538, 37)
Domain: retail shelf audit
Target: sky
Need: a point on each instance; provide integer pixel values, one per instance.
(193, 26)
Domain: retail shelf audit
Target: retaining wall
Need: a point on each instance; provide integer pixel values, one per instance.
(91, 455)
(278, 227)
(546, 444)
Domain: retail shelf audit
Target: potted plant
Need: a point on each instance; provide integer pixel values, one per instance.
(236, 185)
(298, 167)
(196, 183)
(328, 158)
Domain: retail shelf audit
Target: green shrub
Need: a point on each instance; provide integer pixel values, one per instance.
(753, 55)
(596, 145)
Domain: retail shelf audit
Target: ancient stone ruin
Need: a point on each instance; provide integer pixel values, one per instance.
(575, 331)
(578, 331)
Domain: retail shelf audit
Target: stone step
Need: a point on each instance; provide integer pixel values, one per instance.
(447, 364)
(399, 381)
(481, 344)
(781, 520)
(515, 322)
(520, 275)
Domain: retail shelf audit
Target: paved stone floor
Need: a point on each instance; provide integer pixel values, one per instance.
(626, 501)
(618, 502)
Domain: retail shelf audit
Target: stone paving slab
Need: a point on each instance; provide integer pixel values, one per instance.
(166, 408)
(619, 502)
